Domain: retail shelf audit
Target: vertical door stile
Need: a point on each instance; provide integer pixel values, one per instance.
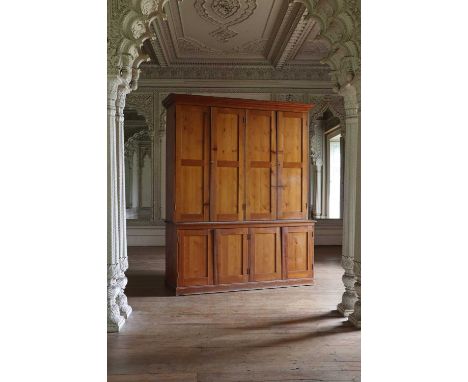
(206, 166)
(213, 158)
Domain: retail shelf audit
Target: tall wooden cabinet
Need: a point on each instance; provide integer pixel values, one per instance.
(237, 192)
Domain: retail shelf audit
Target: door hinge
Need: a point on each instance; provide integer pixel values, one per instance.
(243, 119)
(249, 236)
(248, 271)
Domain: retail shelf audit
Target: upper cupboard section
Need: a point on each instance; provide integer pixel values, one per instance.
(236, 160)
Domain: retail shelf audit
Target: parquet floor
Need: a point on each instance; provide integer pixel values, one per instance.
(285, 334)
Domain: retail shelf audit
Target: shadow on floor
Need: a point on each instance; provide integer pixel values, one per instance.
(147, 284)
(309, 319)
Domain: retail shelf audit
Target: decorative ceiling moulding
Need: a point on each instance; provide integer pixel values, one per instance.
(184, 86)
(224, 14)
(129, 21)
(289, 30)
(264, 33)
(236, 73)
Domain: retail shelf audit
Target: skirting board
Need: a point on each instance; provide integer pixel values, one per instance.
(146, 236)
(327, 232)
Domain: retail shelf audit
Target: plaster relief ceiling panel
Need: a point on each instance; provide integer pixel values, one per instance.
(312, 49)
(253, 32)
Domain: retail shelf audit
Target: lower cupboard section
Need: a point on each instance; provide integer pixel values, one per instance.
(218, 259)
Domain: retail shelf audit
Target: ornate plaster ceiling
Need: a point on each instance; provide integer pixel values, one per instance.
(261, 33)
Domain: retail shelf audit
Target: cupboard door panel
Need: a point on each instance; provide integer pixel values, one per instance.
(298, 249)
(292, 165)
(260, 186)
(265, 254)
(227, 161)
(195, 257)
(192, 170)
(231, 255)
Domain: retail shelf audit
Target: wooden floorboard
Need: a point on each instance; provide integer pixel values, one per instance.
(284, 334)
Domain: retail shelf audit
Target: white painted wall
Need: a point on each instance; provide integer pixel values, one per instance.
(144, 236)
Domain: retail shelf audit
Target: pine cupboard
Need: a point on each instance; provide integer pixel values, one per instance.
(236, 194)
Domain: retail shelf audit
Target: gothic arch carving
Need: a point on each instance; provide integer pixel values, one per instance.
(340, 25)
(143, 104)
(130, 145)
(333, 103)
(128, 27)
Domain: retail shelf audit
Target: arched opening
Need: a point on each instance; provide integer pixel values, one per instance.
(125, 71)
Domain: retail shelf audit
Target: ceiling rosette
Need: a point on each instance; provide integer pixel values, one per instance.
(225, 14)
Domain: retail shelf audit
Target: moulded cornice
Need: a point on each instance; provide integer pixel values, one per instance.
(243, 72)
(235, 85)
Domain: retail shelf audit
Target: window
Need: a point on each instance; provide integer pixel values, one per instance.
(333, 178)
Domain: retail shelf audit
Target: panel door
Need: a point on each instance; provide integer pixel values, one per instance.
(192, 163)
(227, 161)
(265, 254)
(298, 249)
(231, 256)
(260, 167)
(195, 256)
(292, 165)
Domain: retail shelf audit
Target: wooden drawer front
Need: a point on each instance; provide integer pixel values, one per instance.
(292, 165)
(298, 250)
(231, 256)
(192, 163)
(227, 164)
(195, 257)
(265, 254)
(260, 165)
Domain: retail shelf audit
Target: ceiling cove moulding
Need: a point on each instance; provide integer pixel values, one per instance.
(240, 32)
(228, 72)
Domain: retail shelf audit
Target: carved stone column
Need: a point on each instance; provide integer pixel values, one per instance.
(117, 308)
(121, 299)
(355, 317)
(351, 208)
(128, 177)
